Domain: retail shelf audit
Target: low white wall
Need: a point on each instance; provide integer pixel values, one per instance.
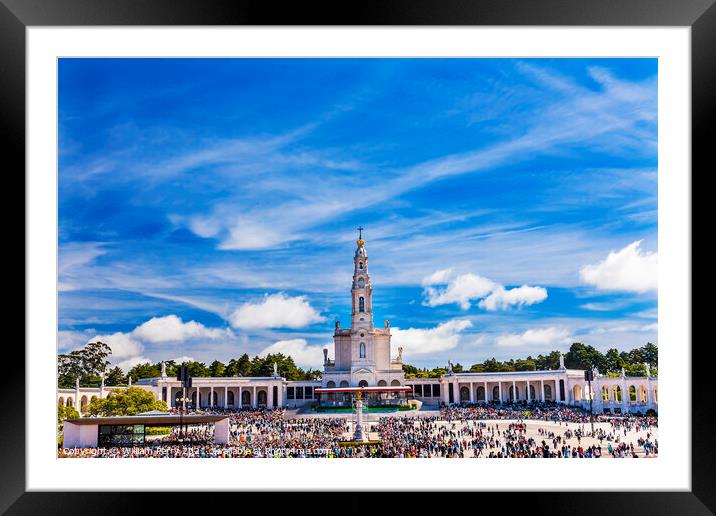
(79, 436)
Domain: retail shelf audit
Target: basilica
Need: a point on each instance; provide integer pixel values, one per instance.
(363, 358)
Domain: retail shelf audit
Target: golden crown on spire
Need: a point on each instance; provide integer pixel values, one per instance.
(360, 241)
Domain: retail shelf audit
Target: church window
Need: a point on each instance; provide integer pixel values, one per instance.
(361, 304)
(362, 349)
(361, 282)
(360, 265)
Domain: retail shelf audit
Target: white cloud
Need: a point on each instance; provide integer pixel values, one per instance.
(126, 365)
(304, 355)
(440, 277)
(535, 337)
(520, 296)
(247, 234)
(123, 345)
(72, 340)
(629, 269)
(416, 341)
(275, 311)
(460, 290)
(171, 329)
(72, 258)
(465, 288)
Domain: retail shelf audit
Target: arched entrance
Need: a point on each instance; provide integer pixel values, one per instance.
(83, 403)
(344, 383)
(382, 383)
(245, 398)
(577, 392)
(480, 394)
(617, 394)
(548, 393)
(362, 383)
(70, 403)
(395, 383)
(605, 394)
(230, 398)
(514, 393)
(632, 394)
(262, 398)
(464, 394)
(496, 393)
(532, 393)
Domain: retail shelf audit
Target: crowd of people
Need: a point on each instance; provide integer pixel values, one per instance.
(456, 431)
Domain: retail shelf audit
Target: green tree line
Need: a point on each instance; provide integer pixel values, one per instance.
(579, 356)
(88, 363)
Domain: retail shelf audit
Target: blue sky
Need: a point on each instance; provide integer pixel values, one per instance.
(207, 206)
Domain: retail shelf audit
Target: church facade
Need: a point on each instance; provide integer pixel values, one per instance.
(362, 353)
(363, 358)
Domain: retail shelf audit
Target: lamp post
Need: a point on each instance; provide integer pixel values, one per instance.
(185, 378)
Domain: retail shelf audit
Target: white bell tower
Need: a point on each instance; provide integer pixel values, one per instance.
(362, 290)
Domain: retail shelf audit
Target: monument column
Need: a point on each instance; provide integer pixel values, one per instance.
(499, 390)
(541, 387)
(240, 405)
(472, 393)
(211, 396)
(226, 396)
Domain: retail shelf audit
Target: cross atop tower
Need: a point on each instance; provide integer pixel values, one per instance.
(360, 232)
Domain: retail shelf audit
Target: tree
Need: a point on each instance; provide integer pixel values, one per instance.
(313, 375)
(216, 369)
(650, 354)
(409, 369)
(69, 368)
(527, 364)
(580, 356)
(94, 358)
(197, 369)
(127, 402)
(64, 412)
(548, 362)
(85, 364)
(244, 365)
(145, 370)
(614, 362)
(115, 376)
(232, 368)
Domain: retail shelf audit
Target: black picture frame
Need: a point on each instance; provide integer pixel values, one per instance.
(17, 15)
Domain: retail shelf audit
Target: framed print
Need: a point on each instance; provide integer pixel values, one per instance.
(438, 247)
